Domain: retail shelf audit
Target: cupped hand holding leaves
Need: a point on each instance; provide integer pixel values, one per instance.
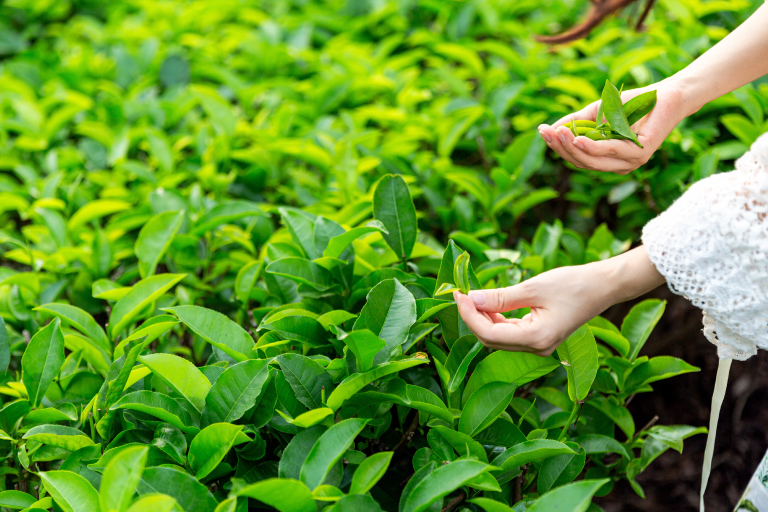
(615, 155)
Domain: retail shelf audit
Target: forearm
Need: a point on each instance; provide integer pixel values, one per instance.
(740, 58)
(629, 275)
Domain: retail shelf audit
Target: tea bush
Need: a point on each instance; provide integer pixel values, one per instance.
(224, 226)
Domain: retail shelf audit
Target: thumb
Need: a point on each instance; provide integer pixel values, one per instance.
(500, 300)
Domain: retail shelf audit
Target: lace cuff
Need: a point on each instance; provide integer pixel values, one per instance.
(711, 245)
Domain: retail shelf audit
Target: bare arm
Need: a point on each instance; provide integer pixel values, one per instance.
(737, 60)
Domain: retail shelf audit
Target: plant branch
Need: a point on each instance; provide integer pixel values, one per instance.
(408, 434)
(458, 499)
(599, 10)
(647, 426)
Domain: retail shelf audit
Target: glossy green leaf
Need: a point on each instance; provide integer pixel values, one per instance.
(246, 278)
(462, 353)
(70, 491)
(68, 438)
(286, 495)
(530, 451)
(211, 445)
(307, 378)
(369, 472)
(461, 272)
(80, 320)
(216, 329)
(484, 406)
(139, 297)
(561, 469)
(154, 239)
(235, 391)
(302, 271)
(356, 503)
(510, 367)
(442, 482)
(328, 450)
(639, 323)
(122, 474)
(42, 361)
(181, 375)
(578, 353)
(596, 443)
(657, 368)
(96, 210)
(639, 106)
(153, 502)
(191, 495)
(338, 244)
(614, 112)
(574, 497)
(393, 207)
(16, 499)
(159, 405)
(364, 345)
(224, 213)
(357, 381)
(5, 347)
(490, 505)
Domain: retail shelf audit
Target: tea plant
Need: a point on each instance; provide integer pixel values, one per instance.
(226, 228)
(349, 386)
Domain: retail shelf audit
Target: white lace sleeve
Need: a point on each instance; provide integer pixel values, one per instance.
(711, 245)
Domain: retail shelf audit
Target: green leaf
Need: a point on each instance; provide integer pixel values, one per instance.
(80, 320)
(216, 329)
(490, 506)
(96, 210)
(181, 376)
(561, 469)
(530, 451)
(307, 379)
(16, 499)
(42, 361)
(154, 239)
(190, 494)
(138, 298)
(338, 244)
(510, 367)
(70, 491)
(309, 418)
(612, 337)
(673, 435)
(461, 272)
(302, 271)
(620, 415)
(296, 451)
(355, 503)
(393, 207)
(484, 406)
(153, 502)
(462, 353)
(442, 482)
(301, 225)
(369, 472)
(235, 391)
(574, 497)
(68, 438)
(159, 405)
(597, 443)
(462, 443)
(639, 106)
(246, 278)
(364, 345)
(122, 474)
(329, 449)
(286, 495)
(211, 445)
(579, 356)
(389, 313)
(639, 323)
(358, 381)
(299, 327)
(658, 368)
(614, 112)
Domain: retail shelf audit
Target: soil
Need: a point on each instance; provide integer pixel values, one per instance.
(672, 481)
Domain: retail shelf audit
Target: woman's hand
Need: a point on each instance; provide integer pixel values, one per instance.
(561, 300)
(619, 156)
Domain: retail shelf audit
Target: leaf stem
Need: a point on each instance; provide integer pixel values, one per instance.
(573, 418)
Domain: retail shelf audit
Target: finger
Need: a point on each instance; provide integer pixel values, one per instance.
(557, 144)
(477, 321)
(500, 300)
(622, 149)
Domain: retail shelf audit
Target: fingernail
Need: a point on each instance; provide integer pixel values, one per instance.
(546, 137)
(561, 136)
(579, 145)
(477, 297)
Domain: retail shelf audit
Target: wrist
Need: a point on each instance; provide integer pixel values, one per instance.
(688, 90)
(630, 275)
